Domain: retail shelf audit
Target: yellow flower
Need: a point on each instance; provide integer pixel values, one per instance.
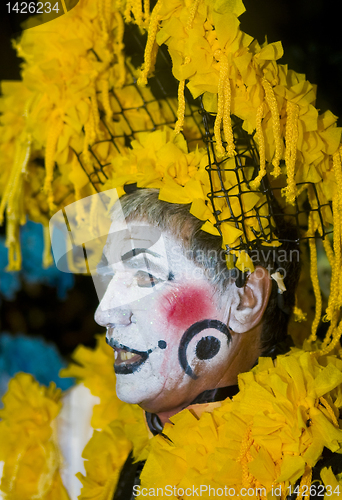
(105, 454)
(275, 427)
(32, 459)
(333, 484)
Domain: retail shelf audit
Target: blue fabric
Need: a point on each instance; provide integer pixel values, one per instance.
(20, 353)
(32, 245)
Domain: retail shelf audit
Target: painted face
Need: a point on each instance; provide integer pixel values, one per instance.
(169, 336)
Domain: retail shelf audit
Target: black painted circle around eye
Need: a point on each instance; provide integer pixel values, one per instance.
(162, 344)
(208, 347)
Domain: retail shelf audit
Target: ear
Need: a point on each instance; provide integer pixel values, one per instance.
(248, 304)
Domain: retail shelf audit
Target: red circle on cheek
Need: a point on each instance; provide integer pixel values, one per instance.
(186, 305)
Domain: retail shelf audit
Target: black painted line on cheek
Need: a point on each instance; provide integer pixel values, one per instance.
(194, 330)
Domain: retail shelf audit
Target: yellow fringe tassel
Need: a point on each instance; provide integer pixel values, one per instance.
(314, 279)
(105, 98)
(47, 256)
(65, 10)
(181, 108)
(11, 192)
(335, 297)
(12, 200)
(50, 149)
(128, 11)
(337, 221)
(80, 212)
(328, 251)
(85, 151)
(299, 315)
(94, 221)
(261, 143)
(13, 243)
(181, 87)
(227, 122)
(118, 50)
(102, 18)
(90, 132)
(223, 108)
(329, 410)
(150, 44)
(335, 332)
(137, 12)
(146, 11)
(336, 274)
(192, 14)
(134, 12)
(305, 481)
(95, 110)
(291, 138)
(273, 106)
(107, 10)
(334, 291)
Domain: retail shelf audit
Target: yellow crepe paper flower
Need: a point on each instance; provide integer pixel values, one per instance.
(160, 160)
(269, 434)
(79, 72)
(279, 422)
(332, 483)
(275, 427)
(203, 38)
(70, 76)
(106, 452)
(66, 82)
(28, 444)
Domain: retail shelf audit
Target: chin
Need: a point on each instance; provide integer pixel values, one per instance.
(129, 393)
(127, 396)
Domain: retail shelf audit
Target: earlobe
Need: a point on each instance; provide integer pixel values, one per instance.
(248, 304)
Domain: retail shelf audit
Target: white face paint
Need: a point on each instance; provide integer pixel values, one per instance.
(154, 295)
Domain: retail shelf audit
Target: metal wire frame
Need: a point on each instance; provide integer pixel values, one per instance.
(247, 156)
(163, 87)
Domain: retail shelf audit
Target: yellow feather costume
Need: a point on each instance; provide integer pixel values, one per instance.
(75, 107)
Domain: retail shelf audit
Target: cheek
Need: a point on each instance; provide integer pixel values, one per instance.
(182, 307)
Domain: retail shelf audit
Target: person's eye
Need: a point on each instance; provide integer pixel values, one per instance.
(146, 280)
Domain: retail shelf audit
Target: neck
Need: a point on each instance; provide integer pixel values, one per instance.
(208, 396)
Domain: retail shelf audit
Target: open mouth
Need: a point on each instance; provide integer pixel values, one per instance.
(127, 360)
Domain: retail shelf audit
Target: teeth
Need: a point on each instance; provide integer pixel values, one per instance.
(125, 356)
(115, 354)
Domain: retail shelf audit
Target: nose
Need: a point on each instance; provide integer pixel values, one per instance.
(114, 309)
(113, 317)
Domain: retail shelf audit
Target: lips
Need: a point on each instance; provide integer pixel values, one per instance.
(127, 360)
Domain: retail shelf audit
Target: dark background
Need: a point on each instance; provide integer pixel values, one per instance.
(310, 32)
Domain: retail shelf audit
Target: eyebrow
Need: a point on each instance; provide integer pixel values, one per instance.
(137, 251)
